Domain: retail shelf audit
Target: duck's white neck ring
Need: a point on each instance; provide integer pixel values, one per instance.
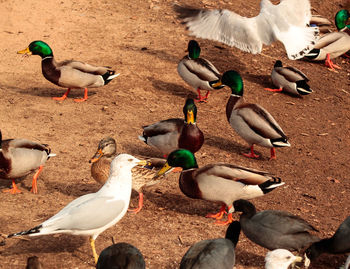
(47, 57)
(235, 95)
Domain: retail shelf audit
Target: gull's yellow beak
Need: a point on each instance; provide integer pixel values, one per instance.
(217, 84)
(298, 259)
(25, 51)
(97, 156)
(190, 117)
(163, 170)
(143, 163)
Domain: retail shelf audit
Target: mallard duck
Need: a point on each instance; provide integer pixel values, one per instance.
(273, 229)
(333, 45)
(324, 25)
(141, 176)
(198, 72)
(289, 79)
(93, 213)
(252, 122)
(121, 256)
(219, 182)
(213, 253)
(168, 135)
(337, 244)
(20, 157)
(70, 74)
(285, 22)
(280, 259)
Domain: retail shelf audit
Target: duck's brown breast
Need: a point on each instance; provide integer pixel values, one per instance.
(100, 170)
(191, 138)
(189, 185)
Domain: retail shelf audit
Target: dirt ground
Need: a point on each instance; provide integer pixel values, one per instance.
(144, 41)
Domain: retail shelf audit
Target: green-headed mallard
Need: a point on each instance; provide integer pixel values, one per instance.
(333, 45)
(323, 24)
(198, 72)
(20, 157)
(339, 243)
(213, 253)
(285, 22)
(168, 135)
(251, 121)
(274, 229)
(93, 213)
(69, 74)
(219, 182)
(289, 79)
(280, 259)
(141, 176)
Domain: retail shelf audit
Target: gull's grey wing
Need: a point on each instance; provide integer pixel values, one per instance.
(90, 214)
(226, 27)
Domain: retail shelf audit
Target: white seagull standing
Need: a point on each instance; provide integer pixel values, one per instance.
(286, 22)
(93, 213)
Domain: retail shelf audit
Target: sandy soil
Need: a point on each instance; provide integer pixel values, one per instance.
(144, 42)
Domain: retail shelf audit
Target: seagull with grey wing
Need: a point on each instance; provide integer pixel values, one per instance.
(287, 22)
(93, 213)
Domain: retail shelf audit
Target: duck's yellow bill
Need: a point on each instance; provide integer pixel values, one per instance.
(217, 84)
(25, 51)
(96, 157)
(190, 117)
(163, 170)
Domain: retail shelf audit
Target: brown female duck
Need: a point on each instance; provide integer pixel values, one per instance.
(141, 176)
(20, 157)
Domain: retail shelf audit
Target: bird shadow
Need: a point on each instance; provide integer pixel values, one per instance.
(44, 244)
(161, 54)
(66, 189)
(180, 204)
(47, 92)
(250, 259)
(172, 88)
(263, 80)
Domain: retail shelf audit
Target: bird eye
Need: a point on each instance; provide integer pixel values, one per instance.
(130, 160)
(288, 257)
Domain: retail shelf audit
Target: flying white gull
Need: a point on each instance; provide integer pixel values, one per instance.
(286, 22)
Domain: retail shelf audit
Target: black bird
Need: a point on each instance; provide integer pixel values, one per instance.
(274, 229)
(337, 244)
(121, 256)
(213, 253)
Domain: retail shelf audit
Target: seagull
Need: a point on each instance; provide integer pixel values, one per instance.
(280, 259)
(286, 22)
(83, 216)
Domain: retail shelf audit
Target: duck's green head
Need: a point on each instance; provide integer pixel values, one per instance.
(190, 111)
(179, 158)
(341, 19)
(194, 49)
(233, 80)
(37, 48)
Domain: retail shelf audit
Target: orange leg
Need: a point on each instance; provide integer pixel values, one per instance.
(273, 90)
(273, 154)
(85, 96)
(251, 154)
(14, 188)
(201, 98)
(218, 215)
(330, 64)
(228, 221)
(138, 209)
(34, 182)
(63, 97)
